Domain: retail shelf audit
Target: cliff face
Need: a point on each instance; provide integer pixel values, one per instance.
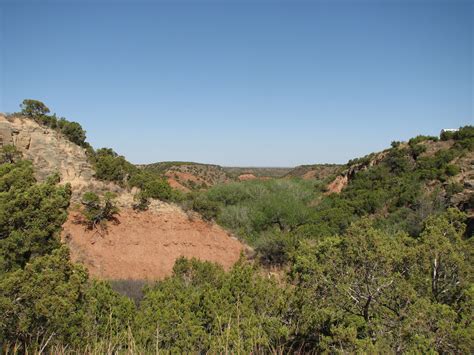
(51, 152)
(48, 150)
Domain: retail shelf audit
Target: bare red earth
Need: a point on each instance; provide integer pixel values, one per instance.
(245, 177)
(145, 245)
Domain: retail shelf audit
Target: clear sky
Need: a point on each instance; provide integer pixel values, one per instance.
(243, 83)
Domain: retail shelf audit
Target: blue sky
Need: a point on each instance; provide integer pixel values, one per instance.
(242, 83)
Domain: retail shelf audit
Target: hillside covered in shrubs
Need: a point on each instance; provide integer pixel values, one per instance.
(384, 266)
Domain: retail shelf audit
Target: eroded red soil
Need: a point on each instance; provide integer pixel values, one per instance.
(145, 245)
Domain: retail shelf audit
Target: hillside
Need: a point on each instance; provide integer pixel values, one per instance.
(187, 176)
(345, 265)
(52, 152)
(315, 171)
(242, 173)
(409, 172)
(158, 236)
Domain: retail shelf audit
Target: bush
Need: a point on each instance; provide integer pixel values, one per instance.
(205, 207)
(142, 202)
(465, 132)
(452, 170)
(203, 309)
(73, 131)
(417, 150)
(31, 215)
(421, 138)
(151, 185)
(454, 188)
(9, 154)
(274, 248)
(97, 212)
(447, 136)
(109, 166)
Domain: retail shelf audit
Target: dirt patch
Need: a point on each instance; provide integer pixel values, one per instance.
(338, 184)
(176, 185)
(433, 147)
(245, 177)
(145, 245)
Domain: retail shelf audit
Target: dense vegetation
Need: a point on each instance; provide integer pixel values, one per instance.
(404, 187)
(386, 266)
(365, 290)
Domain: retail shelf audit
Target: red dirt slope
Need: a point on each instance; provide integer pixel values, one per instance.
(145, 245)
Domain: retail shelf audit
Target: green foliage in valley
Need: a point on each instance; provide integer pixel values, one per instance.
(383, 267)
(203, 309)
(387, 292)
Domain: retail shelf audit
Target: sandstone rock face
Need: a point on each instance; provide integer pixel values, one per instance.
(51, 152)
(6, 137)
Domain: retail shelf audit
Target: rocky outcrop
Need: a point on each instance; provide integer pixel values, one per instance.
(464, 200)
(338, 184)
(341, 181)
(51, 153)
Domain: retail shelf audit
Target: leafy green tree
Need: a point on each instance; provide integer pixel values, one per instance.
(108, 316)
(42, 300)
(33, 108)
(73, 131)
(30, 215)
(201, 308)
(110, 168)
(380, 292)
(51, 301)
(443, 260)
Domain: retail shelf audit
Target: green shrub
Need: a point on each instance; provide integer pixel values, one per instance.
(31, 215)
(141, 202)
(421, 138)
(203, 309)
(9, 154)
(417, 150)
(454, 188)
(274, 248)
(207, 208)
(447, 136)
(109, 166)
(73, 131)
(452, 170)
(97, 212)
